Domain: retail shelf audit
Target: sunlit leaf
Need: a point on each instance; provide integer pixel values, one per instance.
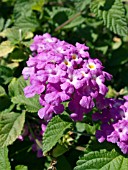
(102, 160)
(55, 131)
(113, 15)
(11, 125)
(4, 161)
(31, 104)
(5, 48)
(21, 167)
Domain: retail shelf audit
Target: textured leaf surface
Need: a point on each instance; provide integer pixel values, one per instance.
(16, 92)
(54, 131)
(29, 23)
(11, 125)
(81, 5)
(31, 104)
(102, 160)
(16, 86)
(4, 162)
(113, 15)
(22, 7)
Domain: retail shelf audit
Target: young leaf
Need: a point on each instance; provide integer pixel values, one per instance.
(38, 5)
(4, 162)
(113, 15)
(11, 125)
(102, 160)
(54, 131)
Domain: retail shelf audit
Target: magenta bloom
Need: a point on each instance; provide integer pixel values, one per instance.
(59, 72)
(114, 117)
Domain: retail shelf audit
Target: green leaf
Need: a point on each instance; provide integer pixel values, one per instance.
(1, 23)
(11, 125)
(38, 5)
(113, 15)
(63, 163)
(81, 127)
(27, 23)
(77, 21)
(6, 74)
(66, 14)
(59, 150)
(22, 7)
(81, 5)
(4, 102)
(2, 91)
(4, 99)
(31, 104)
(4, 161)
(54, 131)
(28, 35)
(18, 55)
(16, 86)
(57, 10)
(12, 34)
(16, 35)
(21, 167)
(5, 48)
(102, 160)
(111, 92)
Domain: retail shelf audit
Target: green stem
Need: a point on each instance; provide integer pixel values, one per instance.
(68, 21)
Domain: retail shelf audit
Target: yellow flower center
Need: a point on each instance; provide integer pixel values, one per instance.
(92, 66)
(74, 56)
(67, 63)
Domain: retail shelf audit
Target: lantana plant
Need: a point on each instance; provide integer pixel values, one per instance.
(61, 73)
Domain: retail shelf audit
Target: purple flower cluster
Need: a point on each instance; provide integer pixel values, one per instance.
(113, 114)
(59, 72)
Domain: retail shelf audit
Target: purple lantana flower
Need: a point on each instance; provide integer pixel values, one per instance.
(59, 72)
(114, 117)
